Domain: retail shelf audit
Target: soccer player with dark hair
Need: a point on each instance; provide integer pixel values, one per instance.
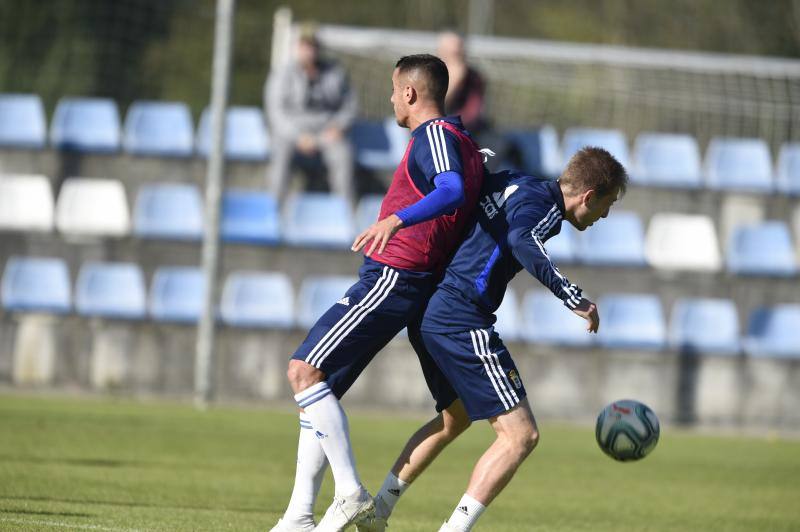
(517, 215)
(422, 219)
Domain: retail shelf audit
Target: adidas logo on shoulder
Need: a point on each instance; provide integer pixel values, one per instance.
(344, 301)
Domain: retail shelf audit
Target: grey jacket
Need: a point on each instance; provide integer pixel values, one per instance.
(294, 105)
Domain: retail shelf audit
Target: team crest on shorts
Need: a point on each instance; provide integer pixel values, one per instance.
(514, 377)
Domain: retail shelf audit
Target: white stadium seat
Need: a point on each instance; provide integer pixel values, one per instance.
(682, 242)
(26, 203)
(93, 207)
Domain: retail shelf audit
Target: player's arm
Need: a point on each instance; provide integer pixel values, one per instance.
(529, 250)
(438, 162)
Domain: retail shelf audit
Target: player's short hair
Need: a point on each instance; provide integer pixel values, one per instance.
(593, 168)
(431, 69)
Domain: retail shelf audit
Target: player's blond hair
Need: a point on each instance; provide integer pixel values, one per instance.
(593, 168)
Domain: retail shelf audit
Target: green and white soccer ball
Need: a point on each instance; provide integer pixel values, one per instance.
(627, 430)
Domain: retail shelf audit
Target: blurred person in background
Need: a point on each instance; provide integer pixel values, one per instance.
(310, 107)
(465, 94)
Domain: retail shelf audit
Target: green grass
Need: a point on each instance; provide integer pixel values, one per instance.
(108, 464)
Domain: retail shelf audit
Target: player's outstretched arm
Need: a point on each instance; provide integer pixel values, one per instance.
(379, 234)
(588, 311)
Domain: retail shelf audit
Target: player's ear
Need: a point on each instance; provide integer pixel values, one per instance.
(410, 94)
(588, 197)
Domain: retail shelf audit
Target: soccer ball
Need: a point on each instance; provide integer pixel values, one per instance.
(627, 430)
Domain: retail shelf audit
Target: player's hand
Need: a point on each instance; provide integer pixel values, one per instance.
(379, 234)
(588, 311)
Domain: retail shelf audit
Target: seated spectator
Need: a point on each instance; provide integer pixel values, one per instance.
(310, 107)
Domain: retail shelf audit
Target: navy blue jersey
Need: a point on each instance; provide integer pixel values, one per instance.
(434, 150)
(516, 215)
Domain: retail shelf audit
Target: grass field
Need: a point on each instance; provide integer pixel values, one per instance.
(107, 464)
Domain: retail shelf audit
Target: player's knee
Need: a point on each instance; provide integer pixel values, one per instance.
(524, 441)
(302, 375)
(454, 426)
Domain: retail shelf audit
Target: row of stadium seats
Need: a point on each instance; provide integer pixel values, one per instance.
(166, 129)
(266, 300)
(174, 211)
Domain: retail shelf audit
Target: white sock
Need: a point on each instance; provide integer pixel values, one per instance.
(311, 465)
(389, 494)
(331, 428)
(466, 513)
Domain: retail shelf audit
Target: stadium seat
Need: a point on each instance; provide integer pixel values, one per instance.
(367, 211)
(36, 284)
(250, 217)
(546, 320)
(22, 121)
(705, 325)
(379, 145)
(612, 140)
(631, 321)
(538, 150)
(774, 332)
(176, 294)
(563, 248)
(318, 294)
(159, 128)
(616, 241)
(318, 220)
(110, 290)
(682, 242)
(788, 174)
(26, 203)
(86, 124)
(92, 207)
(507, 324)
(258, 299)
(667, 160)
(739, 164)
(246, 136)
(762, 249)
(168, 211)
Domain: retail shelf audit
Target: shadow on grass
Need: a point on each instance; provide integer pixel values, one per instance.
(87, 462)
(131, 504)
(44, 512)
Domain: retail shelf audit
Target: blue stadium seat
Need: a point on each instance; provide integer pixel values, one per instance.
(563, 248)
(159, 128)
(176, 294)
(616, 241)
(667, 160)
(789, 169)
(705, 325)
(379, 145)
(546, 320)
(258, 299)
(538, 150)
(774, 332)
(171, 211)
(318, 220)
(110, 290)
(318, 294)
(611, 140)
(739, 164)
(508, 317)
(762, 249)
(246, 135)
(631, 321)
(86, 124)
(36, 284)
(22, 121)
(367, 211)
(250, 217)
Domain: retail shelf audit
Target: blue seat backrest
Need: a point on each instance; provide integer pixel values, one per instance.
(668, 160)
(36, 284)
(22, 121)
(159, 128)
(739, 164)
(634, 321)
(246, 134)
(172, 211)
(774, 332)
(617, 240)
(762, 249)
(250, 217)
(86, 124)
(176, 294)
(113, 290)
(705, 325)
(258, 299)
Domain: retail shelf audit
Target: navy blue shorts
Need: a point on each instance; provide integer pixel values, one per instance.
(479, 367)
(347, 337)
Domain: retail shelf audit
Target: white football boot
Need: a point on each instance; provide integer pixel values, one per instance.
(347, 510)
(294, 526)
